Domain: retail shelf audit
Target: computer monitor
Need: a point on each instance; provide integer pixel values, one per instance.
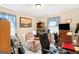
(65, 26)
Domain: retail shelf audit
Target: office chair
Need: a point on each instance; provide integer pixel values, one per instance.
(56, 40)
(45, 44)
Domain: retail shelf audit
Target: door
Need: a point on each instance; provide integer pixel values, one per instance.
(4, 36)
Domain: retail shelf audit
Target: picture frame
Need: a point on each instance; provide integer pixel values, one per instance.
(25, 22)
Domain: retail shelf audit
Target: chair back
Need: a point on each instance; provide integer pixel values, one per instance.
(45, 44)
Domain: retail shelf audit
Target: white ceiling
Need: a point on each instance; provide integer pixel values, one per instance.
(47, 9)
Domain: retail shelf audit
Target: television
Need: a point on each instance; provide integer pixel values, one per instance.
(65, 26)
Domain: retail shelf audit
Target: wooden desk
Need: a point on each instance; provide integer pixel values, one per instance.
(76, 49)
(76, 42)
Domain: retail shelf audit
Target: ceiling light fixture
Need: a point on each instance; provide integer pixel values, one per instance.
(38, 5)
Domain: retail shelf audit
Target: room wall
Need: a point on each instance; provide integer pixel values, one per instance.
(21, 31)
(73, 14)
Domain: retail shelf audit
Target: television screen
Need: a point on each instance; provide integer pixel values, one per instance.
(64, 26)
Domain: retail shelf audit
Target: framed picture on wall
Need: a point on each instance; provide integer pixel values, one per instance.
(25, 22)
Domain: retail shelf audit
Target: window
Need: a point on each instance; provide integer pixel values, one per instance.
(12, 19)
(52, 24)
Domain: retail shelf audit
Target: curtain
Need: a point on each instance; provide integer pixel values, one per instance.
(12, 19)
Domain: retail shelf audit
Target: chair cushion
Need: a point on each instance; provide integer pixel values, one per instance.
(68, 46)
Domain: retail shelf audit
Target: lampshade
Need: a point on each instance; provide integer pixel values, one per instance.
(68, 20)
(34, 32)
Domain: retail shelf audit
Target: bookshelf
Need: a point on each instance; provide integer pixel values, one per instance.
(40, 27)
